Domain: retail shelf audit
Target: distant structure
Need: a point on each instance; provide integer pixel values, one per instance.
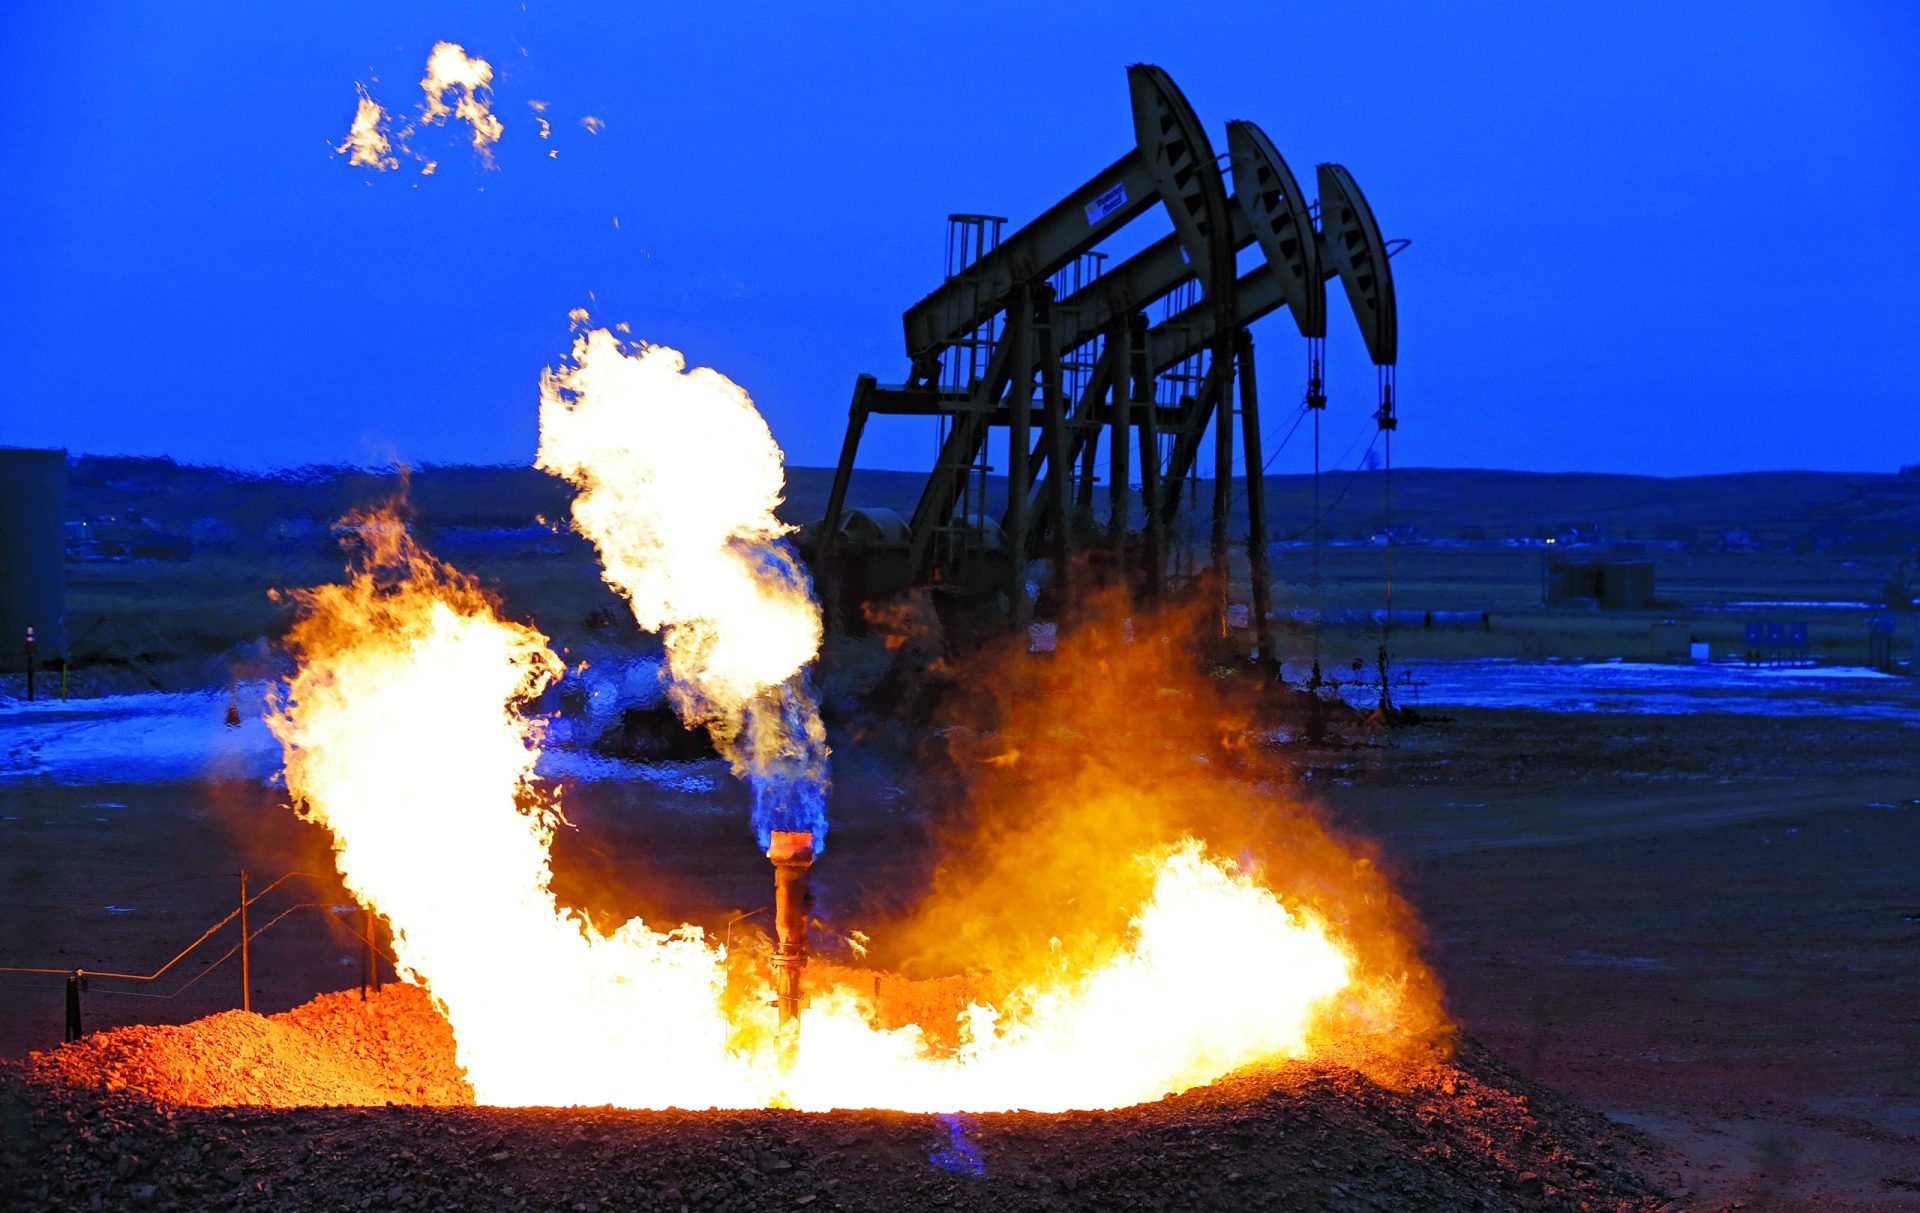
(1620, 585)
(33, 565)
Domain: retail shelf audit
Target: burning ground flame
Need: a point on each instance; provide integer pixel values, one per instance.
(678, 479)
(406, 735)
(1118, 959)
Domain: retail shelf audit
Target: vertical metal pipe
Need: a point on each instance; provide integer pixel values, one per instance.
(246, 950)
(1059, 460)
(791, 852)
(1222, 378)
(1119, 475)
(1019, 444)
(366, 952)
(1088, 432)
(75, 980)
(1256, 494)
(1141, 385)
(837, 500)
(1316, 404)
(1389, 422)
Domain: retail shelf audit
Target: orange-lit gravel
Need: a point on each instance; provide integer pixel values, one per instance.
(395, 1048)
(99, 1124)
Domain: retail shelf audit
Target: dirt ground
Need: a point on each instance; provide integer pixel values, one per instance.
(1467, 1133)
(1701, 926)
(1720, 955)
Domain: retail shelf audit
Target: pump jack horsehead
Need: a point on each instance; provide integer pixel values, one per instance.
(1004, 323)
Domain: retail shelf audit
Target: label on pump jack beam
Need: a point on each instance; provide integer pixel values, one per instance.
(1107, 203)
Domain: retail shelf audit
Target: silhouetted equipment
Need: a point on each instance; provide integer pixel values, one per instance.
(33, 556)
(1880, 632)
(76, 983)
(1621, 585)
(1903, 587)
(1031, 332)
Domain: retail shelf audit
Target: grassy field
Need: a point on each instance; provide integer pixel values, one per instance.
(1809, 538)
(1697, 589)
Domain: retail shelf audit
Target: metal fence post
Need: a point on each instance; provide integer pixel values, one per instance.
(367, 974)
(246, 952)
(73, 1004)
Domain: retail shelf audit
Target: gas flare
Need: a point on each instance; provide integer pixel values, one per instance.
(450, 70)
(404, 736)
(1111, 956)
(678, 479)
(367, 142)
(407, 735)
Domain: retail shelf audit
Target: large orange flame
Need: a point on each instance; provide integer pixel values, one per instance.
(1115, 743)
(407, 735)
(1111, 956)
(404, 736)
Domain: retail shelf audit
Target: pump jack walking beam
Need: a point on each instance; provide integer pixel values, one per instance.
(1294, 283)
(1171, 161)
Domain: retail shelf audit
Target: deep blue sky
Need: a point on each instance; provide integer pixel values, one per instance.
(1648, 237)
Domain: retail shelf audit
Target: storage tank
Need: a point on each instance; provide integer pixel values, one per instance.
(1626, 585)
(1570, 583)
(33, 555)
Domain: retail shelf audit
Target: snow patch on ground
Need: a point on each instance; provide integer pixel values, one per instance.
(184, 735)
(1845, 692)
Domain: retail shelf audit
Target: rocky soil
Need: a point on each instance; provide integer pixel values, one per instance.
(336, 1049)
(231, 1112)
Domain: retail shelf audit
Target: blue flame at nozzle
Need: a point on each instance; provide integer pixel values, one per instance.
(784, 805)
(787, 770)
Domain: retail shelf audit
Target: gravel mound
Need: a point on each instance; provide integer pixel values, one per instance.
(101, 1124)
(393, 1048)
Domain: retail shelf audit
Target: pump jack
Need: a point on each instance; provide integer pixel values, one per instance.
(1003, 322)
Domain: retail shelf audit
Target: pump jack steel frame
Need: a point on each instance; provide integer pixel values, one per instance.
(1006, 291)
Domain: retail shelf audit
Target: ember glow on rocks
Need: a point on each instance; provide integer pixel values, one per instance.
(678, 480)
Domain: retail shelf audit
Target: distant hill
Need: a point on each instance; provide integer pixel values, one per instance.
(1780, 509)
(1834, 510)
(1774, 507)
